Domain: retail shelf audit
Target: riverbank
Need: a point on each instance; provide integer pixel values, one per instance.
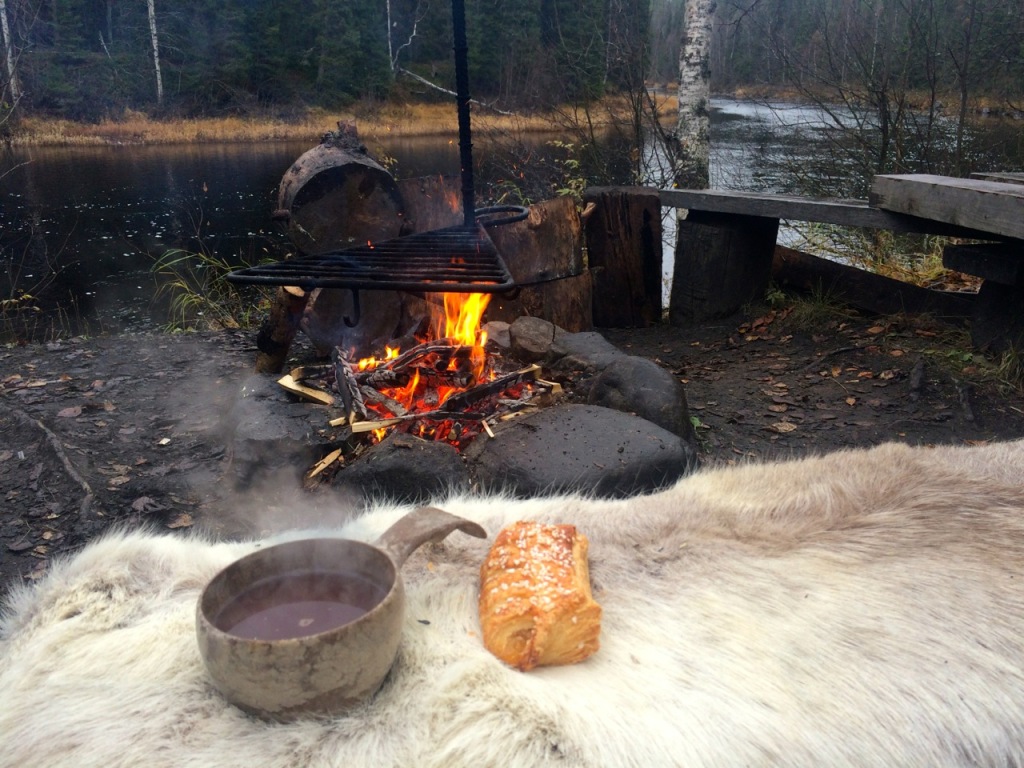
(372, 119)
(397, 119)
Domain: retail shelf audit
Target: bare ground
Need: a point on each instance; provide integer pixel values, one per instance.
(126, 430)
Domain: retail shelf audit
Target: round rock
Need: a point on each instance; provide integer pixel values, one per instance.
(583, 448)
(641, 386)
(268, 431)
(405, 469)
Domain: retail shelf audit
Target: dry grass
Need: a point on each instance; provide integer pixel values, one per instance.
(371, 118)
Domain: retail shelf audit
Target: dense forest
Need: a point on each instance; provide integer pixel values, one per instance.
(87, 59)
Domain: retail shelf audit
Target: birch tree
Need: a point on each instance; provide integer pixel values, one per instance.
(12, 73)
(693, 126)
(156, 51)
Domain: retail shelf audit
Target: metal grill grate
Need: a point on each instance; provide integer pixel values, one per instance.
(458, 259)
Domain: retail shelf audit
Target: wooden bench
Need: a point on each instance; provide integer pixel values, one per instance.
(727, 242)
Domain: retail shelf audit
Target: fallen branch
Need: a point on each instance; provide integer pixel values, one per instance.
(58, 447)
(443, 90)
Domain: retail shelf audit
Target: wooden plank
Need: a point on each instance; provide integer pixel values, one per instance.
(999, 262)
(855, 213)
(846, 213)
(988, 206)
(623, 236)
(863, 289)
(1008, 178)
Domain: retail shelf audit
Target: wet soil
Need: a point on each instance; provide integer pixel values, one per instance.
(127, 430)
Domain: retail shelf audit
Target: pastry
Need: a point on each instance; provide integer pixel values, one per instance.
(536, 607)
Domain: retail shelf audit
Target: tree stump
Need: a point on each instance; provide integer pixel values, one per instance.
(997, 325)
(623, 236)
(279, 328)
(723, 261)
(431, 202)
(544, 255)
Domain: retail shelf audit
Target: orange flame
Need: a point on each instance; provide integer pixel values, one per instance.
(452, 198)
(463, 314)
(369, 363)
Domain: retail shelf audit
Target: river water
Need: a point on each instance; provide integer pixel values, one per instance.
(81, 227)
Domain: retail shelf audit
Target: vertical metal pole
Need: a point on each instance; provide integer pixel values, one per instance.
(462, 100)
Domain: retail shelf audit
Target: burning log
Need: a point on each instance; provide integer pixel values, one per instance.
(458, 410)
(379, 398)
(347, 384)
(473, 395)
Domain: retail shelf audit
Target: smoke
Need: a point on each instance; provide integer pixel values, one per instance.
(275, 506)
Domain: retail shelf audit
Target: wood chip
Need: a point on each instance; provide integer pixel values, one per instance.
(307, 393)
(323, 464)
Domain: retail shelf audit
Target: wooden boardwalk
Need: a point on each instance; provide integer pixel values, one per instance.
(992, 207)
(727, 241)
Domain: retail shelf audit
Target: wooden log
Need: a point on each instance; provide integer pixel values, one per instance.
(623, 236)
(544, 254)
(998, 262)
(546, 245)
(278, 329)
(862, 289)
(566, 302)
(336, 195)
(989, 206)
(723, 261)
(431, 202)
(997, 325)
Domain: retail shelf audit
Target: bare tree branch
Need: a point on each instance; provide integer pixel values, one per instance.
(441, 89)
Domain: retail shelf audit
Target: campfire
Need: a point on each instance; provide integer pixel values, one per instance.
(448, 386)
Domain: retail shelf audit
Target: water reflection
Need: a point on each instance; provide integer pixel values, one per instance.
(80, 227)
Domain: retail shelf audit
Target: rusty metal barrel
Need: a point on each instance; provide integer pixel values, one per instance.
(336, 196)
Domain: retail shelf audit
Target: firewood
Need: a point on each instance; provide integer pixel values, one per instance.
(279, 328)
(307, 393)
(464, 399)
(324, 463)
(347, 384)
(379, 398)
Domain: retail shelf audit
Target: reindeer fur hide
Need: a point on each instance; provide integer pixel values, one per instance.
(859, 609)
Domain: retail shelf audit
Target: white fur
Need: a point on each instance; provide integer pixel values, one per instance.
(859, 609)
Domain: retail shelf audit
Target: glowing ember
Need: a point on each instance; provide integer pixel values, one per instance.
(369, 363)
(460, 363)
